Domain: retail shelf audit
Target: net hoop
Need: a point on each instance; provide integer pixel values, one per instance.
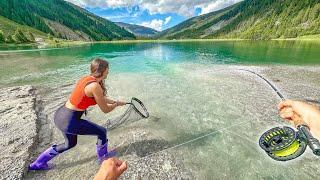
(137, 110)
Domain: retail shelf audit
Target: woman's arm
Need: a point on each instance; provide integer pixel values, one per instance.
(97, 92)
(109, 100)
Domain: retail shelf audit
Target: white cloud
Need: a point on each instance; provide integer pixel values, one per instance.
(154, 24)
(104, 3)
(216, 5)
(85, 3)
(182, 7)
(120, 3)
(167, 20)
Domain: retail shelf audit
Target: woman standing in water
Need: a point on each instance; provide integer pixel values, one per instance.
(89, 91)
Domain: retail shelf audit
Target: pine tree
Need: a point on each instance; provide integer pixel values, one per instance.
(19, 37)
(31, 37)
(2, 39)
(50, 36)
(59, 35)
(10, 39)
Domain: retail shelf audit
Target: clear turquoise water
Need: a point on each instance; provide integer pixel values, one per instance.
(30, 65)
(190, 86)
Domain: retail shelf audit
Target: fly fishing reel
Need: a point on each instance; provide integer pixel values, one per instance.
(283, 143)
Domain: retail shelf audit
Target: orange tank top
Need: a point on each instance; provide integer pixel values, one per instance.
(78, 98)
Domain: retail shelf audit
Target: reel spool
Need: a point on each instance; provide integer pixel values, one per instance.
(283, 143)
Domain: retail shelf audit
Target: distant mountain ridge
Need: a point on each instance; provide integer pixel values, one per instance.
(62, 19)
(253, 19)
(138, 30)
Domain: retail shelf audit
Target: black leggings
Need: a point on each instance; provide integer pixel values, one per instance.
(70, 123)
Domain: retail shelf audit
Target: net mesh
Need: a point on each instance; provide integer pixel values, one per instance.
(135, 112)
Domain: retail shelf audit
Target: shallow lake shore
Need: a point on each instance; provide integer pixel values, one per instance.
(27, 129)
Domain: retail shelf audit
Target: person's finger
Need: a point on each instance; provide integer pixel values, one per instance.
(284, 104)
(286, 116)
(118, 162)
(122, 167)
(286, 113)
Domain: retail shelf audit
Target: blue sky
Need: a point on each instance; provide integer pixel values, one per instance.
(157, 14)
(135, 15)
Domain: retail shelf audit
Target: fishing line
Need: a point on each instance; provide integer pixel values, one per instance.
(195, 139)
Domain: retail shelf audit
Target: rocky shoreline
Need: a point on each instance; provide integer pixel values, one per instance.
(19, 124)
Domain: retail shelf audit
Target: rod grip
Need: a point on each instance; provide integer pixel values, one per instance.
(313, 143)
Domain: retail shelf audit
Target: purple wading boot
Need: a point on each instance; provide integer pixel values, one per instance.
(102, 152)
(41, 162)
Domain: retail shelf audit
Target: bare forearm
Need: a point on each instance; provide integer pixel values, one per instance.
(109, 107)
(109, 100)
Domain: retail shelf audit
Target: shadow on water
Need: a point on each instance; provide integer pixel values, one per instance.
(149, 147)
(75, 163)
(154, 118)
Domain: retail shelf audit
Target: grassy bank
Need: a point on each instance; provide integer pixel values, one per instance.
(66, 43)
(304, 38)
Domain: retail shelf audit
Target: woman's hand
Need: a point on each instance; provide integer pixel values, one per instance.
(111, 169)
(297, 113)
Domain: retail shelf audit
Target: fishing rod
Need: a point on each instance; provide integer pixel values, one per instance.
(283, 143)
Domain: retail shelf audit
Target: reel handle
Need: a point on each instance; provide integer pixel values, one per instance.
(313, 143)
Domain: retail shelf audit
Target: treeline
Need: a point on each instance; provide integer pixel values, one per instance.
(254, 19)
(17, 37)
(272, 19)
(33, 12)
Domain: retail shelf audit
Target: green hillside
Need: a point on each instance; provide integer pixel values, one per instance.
(8, 27)
(253, 19)
(62, 19)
